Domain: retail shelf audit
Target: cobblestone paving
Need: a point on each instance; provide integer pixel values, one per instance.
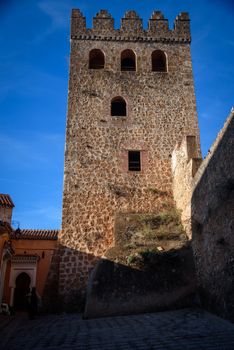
(182, 329)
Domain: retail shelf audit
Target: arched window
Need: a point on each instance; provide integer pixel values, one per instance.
(159, 61)
(96, 59)
(118, 107)
(128, 60)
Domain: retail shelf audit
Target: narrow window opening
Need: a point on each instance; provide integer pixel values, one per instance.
(159, 61)
(118, 107)
(134, 160)
(96, 59)
(128, 60)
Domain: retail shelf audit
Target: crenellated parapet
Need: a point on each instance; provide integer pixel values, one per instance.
(78, 22)
(158, 24)
(131, 28)
(103, 21)
(182, 24)
(131, 23)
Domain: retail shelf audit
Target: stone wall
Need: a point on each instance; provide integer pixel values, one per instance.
(213, 224)
(150, 267)
(161, 109)
(50, 298)
(116, 289)
(185, 163)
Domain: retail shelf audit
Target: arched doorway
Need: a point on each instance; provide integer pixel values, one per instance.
(22, 288)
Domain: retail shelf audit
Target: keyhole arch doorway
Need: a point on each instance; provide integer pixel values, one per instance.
(22, 288)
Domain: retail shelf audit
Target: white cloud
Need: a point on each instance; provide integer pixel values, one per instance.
(26, 184)
(27, 80)
(205, 115)
(230, 42)
(26, 149)
(40, 214)
(57, 11)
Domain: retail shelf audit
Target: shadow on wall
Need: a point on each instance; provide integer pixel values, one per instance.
(156, 281)
(65, 288)
(213, 225)
(149, 268)
(153, 282)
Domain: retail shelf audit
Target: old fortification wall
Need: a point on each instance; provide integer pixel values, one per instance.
(205, 195)
(161, 109)
(185, 163)
(213, 224)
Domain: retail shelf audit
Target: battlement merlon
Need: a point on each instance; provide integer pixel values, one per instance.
(131, 28)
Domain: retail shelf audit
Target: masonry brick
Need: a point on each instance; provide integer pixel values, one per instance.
(161, 109)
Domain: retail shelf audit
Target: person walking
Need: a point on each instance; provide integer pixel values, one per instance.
(33, 304)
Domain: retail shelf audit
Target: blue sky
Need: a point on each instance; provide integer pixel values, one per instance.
(34, 58)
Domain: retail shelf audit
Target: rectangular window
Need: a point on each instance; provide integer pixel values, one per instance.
(134, 160)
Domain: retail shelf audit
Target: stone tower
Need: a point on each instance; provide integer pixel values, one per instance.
(131, 99)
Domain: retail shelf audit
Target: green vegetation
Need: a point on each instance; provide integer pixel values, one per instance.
(131, 259)
(139, 236)
(148, 254)
(158, 226)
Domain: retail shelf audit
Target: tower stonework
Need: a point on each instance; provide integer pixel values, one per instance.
(115, 68)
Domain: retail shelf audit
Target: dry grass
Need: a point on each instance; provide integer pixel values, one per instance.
(139, 235)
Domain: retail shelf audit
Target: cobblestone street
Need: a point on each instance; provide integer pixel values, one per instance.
(182, 329)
